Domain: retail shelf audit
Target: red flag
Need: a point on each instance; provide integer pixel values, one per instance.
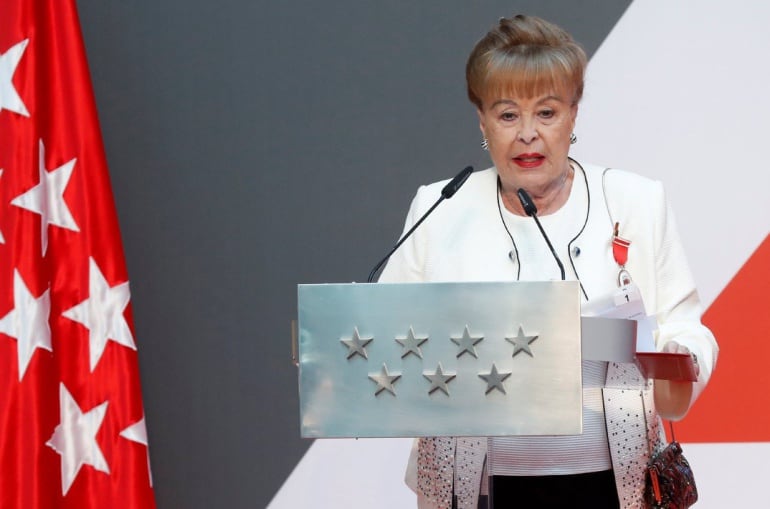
(72, 432)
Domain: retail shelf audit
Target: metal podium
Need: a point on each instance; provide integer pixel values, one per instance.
(427, 359)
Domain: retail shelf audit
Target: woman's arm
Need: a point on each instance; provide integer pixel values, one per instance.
(679, 318)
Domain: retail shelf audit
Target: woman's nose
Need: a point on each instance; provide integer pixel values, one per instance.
(528, 133)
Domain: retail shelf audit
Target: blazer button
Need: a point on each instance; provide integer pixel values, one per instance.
(576, 251)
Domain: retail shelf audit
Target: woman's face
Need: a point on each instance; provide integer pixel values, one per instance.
(529, 139)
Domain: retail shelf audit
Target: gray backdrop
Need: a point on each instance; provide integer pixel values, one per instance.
(254, 146)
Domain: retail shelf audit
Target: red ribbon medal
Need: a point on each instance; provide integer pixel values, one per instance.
(620, 250)
(620, 253)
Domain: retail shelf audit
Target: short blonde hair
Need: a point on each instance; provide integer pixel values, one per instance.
(525, 56)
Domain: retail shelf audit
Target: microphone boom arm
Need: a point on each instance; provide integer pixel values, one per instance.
(447, 192)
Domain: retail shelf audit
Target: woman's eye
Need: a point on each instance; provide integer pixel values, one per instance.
(547, 114)
(508, 116)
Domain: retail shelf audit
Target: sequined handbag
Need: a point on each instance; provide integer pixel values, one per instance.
(670, 483)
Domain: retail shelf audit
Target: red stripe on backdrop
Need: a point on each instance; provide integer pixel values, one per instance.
(734, 407)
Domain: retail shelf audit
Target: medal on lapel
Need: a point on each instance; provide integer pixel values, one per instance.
(620, 253)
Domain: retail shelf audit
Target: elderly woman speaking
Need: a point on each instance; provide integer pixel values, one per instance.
(525, 78)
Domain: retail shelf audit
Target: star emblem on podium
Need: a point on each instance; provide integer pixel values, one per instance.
(494, 379)
(521, 342)
(467, 343)
(439, 380)
(411, 343)
(384, 380)
(356, 344)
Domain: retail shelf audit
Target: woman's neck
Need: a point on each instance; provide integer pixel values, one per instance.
(547, 200)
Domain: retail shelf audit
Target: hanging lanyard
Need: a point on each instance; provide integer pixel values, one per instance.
(620, 253)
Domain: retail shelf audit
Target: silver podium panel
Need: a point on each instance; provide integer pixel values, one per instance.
(440, 359)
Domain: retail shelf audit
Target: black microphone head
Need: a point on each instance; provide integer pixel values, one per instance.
(526, 202)
(451, 188)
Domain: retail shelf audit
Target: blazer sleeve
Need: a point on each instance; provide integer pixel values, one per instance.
(678, 308)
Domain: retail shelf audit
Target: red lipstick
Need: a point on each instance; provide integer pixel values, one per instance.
(532, 160)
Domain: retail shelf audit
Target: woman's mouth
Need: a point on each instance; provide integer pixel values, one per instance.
(529, 160)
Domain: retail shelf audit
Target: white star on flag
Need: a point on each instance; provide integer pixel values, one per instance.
(9, 98)
(75, 438)
(27, 322)
(47, 198)
(2, 240)
(137, 432)
(102, 314)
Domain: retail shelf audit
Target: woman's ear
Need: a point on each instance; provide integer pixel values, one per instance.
(482, 127)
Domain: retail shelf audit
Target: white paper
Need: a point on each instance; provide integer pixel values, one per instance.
(626, 302)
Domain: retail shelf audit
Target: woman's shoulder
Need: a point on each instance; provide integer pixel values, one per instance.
(475, 180)
(616, 183)
(617, 176)
(628, 197)
(478, 182)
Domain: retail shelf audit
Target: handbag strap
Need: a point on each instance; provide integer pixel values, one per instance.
(647, 425)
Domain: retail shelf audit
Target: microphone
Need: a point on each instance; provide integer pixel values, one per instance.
(447, 192)
(527, 203)
(531, 210)
(457, 182)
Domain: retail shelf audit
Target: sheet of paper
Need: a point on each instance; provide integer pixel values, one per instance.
(626, 302)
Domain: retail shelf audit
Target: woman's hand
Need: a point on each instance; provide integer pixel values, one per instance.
(672, 399)
(674, 347)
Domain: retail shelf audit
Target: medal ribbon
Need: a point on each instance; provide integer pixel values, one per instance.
(620, 248)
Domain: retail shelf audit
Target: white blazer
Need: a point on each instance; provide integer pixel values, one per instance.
(464, 240)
